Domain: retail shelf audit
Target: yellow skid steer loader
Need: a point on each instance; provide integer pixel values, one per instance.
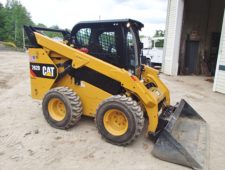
(98, 70)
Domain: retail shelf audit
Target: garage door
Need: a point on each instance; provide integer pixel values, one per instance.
(219, 83)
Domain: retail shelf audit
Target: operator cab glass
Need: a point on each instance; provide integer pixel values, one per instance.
(133, 52)
(115, 41)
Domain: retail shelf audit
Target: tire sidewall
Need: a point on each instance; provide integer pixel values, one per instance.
(57, 124)
(131, 122)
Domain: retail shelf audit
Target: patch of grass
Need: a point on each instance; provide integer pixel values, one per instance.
(8, 44)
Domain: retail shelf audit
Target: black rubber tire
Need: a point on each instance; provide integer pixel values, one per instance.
(72, 103)
(133, 113)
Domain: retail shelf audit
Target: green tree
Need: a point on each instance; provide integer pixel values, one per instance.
(41, 25)
(50, 33)
(15, 16)
(159, 33)
(54, 34)
(160, 42)
(2, 22)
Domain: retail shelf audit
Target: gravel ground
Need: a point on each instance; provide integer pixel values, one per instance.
(28, 142)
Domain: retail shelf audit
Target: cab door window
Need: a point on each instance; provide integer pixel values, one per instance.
(130, 49)
(83, 37)
(108, 43)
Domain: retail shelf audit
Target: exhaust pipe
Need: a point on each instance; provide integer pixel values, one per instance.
(184, 138)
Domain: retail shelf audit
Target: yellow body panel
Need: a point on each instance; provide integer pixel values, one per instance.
(151, 75)
(92, 96)
(39, 86)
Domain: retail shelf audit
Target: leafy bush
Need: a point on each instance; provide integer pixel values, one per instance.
(8, 44)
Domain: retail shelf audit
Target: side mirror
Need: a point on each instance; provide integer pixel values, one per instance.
(143, 59)
(141, 45)
(152, 44)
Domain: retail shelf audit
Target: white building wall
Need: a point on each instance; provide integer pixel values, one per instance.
(219, 82)
(172, 38)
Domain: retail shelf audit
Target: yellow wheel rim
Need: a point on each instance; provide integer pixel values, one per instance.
(115, 122)
(56, 109)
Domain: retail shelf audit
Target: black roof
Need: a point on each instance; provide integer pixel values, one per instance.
(114, 21)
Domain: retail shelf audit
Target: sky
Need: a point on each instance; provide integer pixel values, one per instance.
(66, 13)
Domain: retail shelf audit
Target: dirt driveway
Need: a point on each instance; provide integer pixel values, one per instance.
(28, 142)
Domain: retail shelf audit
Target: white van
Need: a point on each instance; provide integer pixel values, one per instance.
(153, 50)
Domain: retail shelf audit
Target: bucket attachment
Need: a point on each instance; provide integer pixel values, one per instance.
(184, 138)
